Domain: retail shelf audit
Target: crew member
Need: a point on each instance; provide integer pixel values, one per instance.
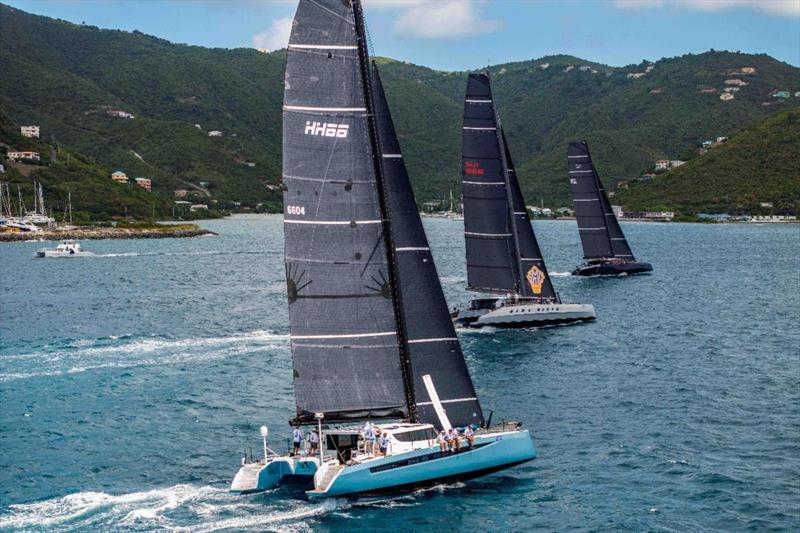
(297, 439)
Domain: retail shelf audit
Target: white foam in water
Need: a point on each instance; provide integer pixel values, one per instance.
(560, 274)
(177, 508)
(80, 355)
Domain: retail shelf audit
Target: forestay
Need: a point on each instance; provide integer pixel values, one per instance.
(601, 235)
(344, 332)
(433, 347)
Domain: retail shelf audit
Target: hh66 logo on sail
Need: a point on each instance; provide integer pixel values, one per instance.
(327, 129)
(535, 277)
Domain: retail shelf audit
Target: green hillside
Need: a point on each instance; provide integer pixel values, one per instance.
(66, 77)
(759, 164)
(63, 171)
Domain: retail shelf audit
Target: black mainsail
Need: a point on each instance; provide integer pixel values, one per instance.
(433, 346)
(601, 235)
(503, 255)
(355, 323)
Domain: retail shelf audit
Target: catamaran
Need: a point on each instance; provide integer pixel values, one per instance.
(371, 338)
(503, 256)
(605, 248)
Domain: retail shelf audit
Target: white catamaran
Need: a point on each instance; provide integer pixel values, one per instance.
(371, 337)
(503, 256)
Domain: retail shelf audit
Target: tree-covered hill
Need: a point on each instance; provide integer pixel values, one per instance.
(760, 164)
(66, 77)
(62, 171)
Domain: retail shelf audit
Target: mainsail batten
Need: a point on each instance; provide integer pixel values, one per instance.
(432, 344)
(600, 232)
(337, 266)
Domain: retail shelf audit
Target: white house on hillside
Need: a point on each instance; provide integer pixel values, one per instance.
(29, 131)
(119, 176)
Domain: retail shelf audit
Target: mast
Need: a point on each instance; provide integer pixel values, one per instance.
(402, 333)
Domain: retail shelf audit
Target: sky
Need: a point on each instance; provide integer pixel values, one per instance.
(468, 34)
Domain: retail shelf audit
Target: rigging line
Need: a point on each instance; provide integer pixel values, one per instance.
(335, 14)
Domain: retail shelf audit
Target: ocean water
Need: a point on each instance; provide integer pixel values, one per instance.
(131, 382)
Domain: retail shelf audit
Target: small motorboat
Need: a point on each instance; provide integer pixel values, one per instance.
(65, 249)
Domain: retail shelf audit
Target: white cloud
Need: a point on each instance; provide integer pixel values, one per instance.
(277, 36)
(445, 19)
(784, 8)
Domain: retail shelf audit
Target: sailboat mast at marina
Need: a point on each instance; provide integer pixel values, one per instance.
(502, 254)
(371, 337)
(605, 247)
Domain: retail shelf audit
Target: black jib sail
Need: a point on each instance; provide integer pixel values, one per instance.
(536, 280)
(502, 253)
(433, 347)
(601, 235)
(344, 329)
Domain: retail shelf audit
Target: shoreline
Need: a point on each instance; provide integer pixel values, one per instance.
(161, 232)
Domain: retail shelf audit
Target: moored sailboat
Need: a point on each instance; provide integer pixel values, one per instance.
(370, 334)
(503, 255)
(605, 248)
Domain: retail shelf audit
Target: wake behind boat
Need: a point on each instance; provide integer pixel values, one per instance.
(503, 255)
(65, 249)
(605, 248)
(370, 334)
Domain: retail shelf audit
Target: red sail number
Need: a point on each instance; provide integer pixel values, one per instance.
(473, 168)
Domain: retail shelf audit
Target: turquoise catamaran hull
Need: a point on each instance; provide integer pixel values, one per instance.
(429, 465)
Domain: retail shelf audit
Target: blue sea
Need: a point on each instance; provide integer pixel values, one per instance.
(132, 381)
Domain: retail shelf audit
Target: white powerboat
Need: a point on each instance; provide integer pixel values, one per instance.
(65, 249)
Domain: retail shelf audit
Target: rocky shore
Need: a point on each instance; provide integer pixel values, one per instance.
(92, 233)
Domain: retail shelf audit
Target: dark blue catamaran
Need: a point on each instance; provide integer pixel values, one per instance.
(605, 248)
(371, 337)
(503, 255)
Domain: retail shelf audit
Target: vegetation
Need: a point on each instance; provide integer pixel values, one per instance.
(759, 164)
(94, 195)
(67, 77)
